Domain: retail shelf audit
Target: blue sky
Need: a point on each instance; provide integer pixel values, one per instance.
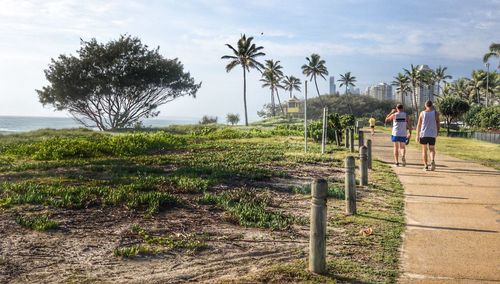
(372, 39)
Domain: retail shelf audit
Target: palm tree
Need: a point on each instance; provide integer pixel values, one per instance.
(402, 86)
(245, 55)
(291, 83)
(494, 52)
(347, 80)
(414, 79)
(461, 88)
(439, 75)
(315, 67)
(477, 83)
(272, 76)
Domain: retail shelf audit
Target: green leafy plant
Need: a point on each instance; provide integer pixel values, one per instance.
(37, 222)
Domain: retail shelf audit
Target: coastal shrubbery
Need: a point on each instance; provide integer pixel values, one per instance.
(59, 148)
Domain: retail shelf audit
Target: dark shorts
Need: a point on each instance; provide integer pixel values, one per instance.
(427, 140)
(398, 138)
(373, 126)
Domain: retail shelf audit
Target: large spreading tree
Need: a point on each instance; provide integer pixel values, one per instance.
(116, 84)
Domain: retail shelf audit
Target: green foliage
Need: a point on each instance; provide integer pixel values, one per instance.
(347, 121)
(489, 117)
(38, 222)
(65, 196)
(116, 84)
(452, 108)
(335, 190)
(233, 118)
(208, 120)
(470, 116)
(248, 209)
(59, 148)
(135, 250)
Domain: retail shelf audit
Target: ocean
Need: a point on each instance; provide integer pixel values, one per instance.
(16, 124)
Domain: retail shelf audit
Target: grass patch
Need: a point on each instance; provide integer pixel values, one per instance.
(153, 244)
(39, 223)
(248, 209)
(75, 197)
(335, 190)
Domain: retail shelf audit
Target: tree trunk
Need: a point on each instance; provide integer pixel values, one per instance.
(279, 101)
(245, 95)
(415, 104)
(317, 90)
(273, 107)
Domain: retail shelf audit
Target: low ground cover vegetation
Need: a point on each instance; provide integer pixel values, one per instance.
(202, 194)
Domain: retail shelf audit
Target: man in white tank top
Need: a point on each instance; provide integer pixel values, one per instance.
(427, 131)
(401, 133)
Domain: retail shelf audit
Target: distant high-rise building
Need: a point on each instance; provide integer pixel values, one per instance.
(425, 93)
(381, 91)
(333, 87)
(354, 91)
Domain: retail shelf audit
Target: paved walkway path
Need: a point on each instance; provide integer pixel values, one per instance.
(452, 218)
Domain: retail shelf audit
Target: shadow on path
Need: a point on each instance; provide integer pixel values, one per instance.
(452, 229)
(435, 196)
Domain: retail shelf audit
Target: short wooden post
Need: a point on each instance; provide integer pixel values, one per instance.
(351, 139)
(350, 186)
(361, 139)
(317, 240)
(363, 165)
(369, 153)
(347, 138)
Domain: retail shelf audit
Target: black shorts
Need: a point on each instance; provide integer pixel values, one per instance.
(373, 126)
(427, 140)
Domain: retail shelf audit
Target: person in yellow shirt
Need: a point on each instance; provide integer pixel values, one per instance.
(371, 121)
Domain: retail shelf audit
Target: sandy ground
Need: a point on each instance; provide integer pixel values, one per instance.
(82, 249)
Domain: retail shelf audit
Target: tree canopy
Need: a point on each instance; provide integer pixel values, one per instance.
(452, 107)
(116, 84)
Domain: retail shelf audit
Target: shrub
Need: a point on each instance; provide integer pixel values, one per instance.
(208, 119)
(57, 148)
(233, 118)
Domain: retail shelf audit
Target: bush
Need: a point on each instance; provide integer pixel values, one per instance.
(208, 119)
(233, 118)
(489, 117)
(57, 148)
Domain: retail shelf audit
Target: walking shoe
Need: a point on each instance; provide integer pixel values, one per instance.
(404, 161)
(426, 168)
(396, 164)
(433, 166)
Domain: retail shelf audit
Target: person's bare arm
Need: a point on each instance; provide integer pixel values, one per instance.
(438, 122)
(419, 127)
(390, 116)
(408, 125)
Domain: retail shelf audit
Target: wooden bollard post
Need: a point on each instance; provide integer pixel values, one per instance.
(361, 139)
(347, 138)
(369, 153)
(350, 186)
(351, 139)
(317, 240)
(363, 165)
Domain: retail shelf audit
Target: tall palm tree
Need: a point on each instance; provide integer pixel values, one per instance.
(315, 67)
(245, 55)
(477, 83)
(402, 86)
(291, 83)
(272, 76)
(440, 75)
(494, 52)
(461, 88)
(347, 80)
(414, 79)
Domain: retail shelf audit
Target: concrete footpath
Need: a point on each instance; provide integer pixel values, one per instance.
(452, 218)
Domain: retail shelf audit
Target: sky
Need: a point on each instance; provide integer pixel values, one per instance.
(374, 40)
